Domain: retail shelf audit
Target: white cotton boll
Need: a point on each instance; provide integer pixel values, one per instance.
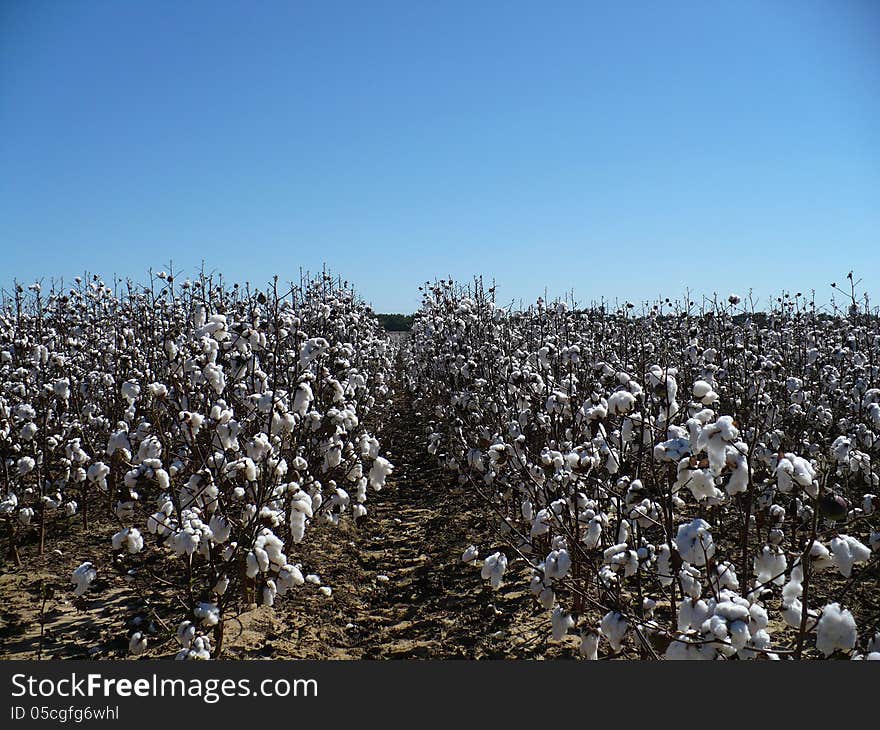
(28, 431)
(701, 388)
(326, 590)
(220, 529)
(675, 449)
(561, 622)
(82, 578)
(836, 630)
(157, 390)
(137, 644)
(794, 470)
(470, 554)
(288, 577)
(739, 634)
(129, 538)
(130, 390)
(297, 525)
(25, 465)
(557, 564)
(614, 627)
(611, 552)
(25, 515)
(593, 534)
(621, 402)
(70, 508)
(717, 626)
(379, 471)
(252, 565)
(118, 441)
(623, 531)
(792, 590)
(199, 649)
(547, 597)
(739, 477)
(259, 447)
(186, 632)
(664, 568)
(249, 469)
(493, 569)
(214, 376)
(725, 576)
(681, 648)
(694, 542)
(52, 502)
(689, 577)
(589, 648)
(24, 412)
(692, 613)
(97, 474)
(208, 613)
(701, 482)
(369, 446)
(221, 585)
(792, 613)
(770, 565)
(192, 422)
(302, 398)
(541, 525)
(262, 559)
(8, 504)
(269, 593)
(846, 551)
(758, 618)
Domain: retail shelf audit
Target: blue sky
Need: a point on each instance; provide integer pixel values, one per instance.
(617, 149)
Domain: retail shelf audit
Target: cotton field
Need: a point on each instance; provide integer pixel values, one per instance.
(679, 483)
(209, 422)
(677, 480)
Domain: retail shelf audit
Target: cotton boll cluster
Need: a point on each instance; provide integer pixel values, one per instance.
(647, 444)
(129, 539)
(561, 623)
(188, 412)
(836, 630)
(846, 551)
(494, 567)
(380, 470)
(82, 578)
(614, 627)
(694, 542)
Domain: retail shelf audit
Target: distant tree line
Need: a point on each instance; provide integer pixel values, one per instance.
(395, 322)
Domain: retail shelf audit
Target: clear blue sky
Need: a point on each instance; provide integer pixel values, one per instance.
(620, 149)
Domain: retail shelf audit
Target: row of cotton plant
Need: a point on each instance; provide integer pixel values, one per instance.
(688, 481)
(213, 423)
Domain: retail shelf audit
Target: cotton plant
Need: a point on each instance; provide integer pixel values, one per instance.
(212, 423)
(555, 414)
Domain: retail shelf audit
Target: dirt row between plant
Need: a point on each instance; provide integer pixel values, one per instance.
(399, 588)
